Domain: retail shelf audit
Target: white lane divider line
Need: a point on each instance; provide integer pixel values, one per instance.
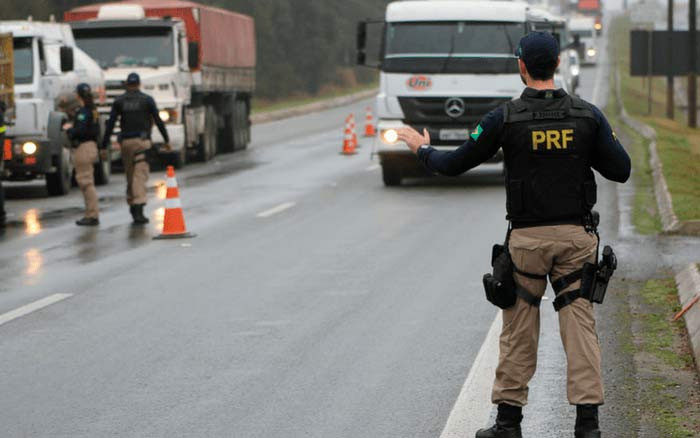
(473, 408)
(278, 209)
(32, 307)
(373, 167)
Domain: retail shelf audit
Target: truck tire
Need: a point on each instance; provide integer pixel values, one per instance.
(207, 144)
(59, 183)
(232, 135)
(103, 170)
(391, 175)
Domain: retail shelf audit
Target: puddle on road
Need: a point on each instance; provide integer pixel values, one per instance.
(224, 171)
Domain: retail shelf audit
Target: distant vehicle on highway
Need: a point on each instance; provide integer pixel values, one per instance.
(196, 61)
(545, 21)
(443, 66)
(47, 68)
(583, 30)
(594, 9)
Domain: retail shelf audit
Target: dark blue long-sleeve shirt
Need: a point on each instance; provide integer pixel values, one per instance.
(85, 127)
(117, 112)
(608, 157)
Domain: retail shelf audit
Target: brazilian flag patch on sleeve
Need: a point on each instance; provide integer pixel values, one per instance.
(477, 132)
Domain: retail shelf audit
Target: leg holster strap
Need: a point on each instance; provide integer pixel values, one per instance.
(562, 283)
(529, 274)
(567, 298)
(528, 297)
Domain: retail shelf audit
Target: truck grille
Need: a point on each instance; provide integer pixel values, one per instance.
(431, 110)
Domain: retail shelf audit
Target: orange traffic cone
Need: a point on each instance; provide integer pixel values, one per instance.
(174, 221)
(369, 123)
(348, 145)
(354, 131)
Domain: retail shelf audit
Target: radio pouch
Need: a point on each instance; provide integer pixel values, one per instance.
(500, 286)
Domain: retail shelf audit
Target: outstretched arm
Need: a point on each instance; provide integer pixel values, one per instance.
(482, 144)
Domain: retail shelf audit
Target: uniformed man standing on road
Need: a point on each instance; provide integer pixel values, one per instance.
(550, 141)
(136, 112)
(83, 135)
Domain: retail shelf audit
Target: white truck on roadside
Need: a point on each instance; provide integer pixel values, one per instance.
(443, 65)
(47, 68)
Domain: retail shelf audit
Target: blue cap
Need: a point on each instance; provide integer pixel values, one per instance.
(133, 79)
(538, 50)
(83, 89)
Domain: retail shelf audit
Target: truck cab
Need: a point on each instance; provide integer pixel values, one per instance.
(583, 32)
(443, 66)
(123, 40)
(47, 68)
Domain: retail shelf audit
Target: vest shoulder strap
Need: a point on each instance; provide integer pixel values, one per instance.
(519, 111)
(580, 109)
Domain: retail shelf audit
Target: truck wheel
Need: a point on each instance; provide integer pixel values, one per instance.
(391, 176)
(103, 170)
(59, 182)
(207, 145)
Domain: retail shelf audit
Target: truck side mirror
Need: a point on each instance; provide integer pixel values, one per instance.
(193, 54)
(67, 59)
(361, 43)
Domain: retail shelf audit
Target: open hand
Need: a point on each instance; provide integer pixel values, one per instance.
(412, 138)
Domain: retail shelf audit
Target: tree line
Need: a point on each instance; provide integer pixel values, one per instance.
(305, 47)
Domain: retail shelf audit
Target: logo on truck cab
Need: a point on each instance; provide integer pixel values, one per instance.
(419, 83)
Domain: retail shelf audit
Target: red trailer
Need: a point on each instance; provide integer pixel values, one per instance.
(592, 8)
(215, 46)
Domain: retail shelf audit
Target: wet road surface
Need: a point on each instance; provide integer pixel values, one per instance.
(314, 301)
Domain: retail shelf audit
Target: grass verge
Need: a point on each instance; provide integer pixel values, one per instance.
(678, 145)
(263, 106)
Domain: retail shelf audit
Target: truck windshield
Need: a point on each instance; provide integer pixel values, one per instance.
(582, 33)
(23, 60)
(452, 47)
(127, 46)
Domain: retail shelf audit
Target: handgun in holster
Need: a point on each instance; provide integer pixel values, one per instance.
(595, 278)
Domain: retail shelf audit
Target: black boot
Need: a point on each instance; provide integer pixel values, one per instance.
(507, 423)
(587, 422)
(137, 214)
(88, 222)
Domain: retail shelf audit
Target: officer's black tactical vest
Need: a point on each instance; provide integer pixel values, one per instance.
(547, 145)
(135, 116)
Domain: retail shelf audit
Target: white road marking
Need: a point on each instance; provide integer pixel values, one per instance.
(278, 209)
(373, 167)
(473, 407)
(32, 307)
(599, 77)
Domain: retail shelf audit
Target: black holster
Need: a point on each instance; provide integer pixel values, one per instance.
(500, 285)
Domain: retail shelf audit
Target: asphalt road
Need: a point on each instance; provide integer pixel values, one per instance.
(356, 311)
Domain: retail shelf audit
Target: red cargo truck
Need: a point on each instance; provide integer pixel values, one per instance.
(198, 63)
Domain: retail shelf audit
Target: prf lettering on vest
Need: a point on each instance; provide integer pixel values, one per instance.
(552, 139)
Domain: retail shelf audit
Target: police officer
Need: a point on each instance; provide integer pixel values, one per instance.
(550, 141)
(83, 135)
(3, 129)
(136, 112)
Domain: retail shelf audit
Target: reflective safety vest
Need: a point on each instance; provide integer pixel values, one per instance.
(548, 144)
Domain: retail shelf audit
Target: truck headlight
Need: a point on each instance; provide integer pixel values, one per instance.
(29, 148)
(590, 52)
(168, 115)
(390, 136)
(598, 26)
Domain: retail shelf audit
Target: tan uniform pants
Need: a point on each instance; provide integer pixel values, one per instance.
(555, 250)
(136, 169)
(84, 158)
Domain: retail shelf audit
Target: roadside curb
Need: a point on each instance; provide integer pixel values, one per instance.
(688, 283)
(313, 107)
(669, 221)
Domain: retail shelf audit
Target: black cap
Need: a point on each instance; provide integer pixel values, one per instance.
(133, 79)
(539, 51)
(83, 89)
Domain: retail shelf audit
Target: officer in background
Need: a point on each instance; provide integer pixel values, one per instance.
(83, 135)
(550, 141)
(136, 112)
(3, 129)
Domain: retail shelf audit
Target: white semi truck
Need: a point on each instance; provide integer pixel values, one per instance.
(443, 65)
(47, 68)
(196, 61)
(584, 34)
